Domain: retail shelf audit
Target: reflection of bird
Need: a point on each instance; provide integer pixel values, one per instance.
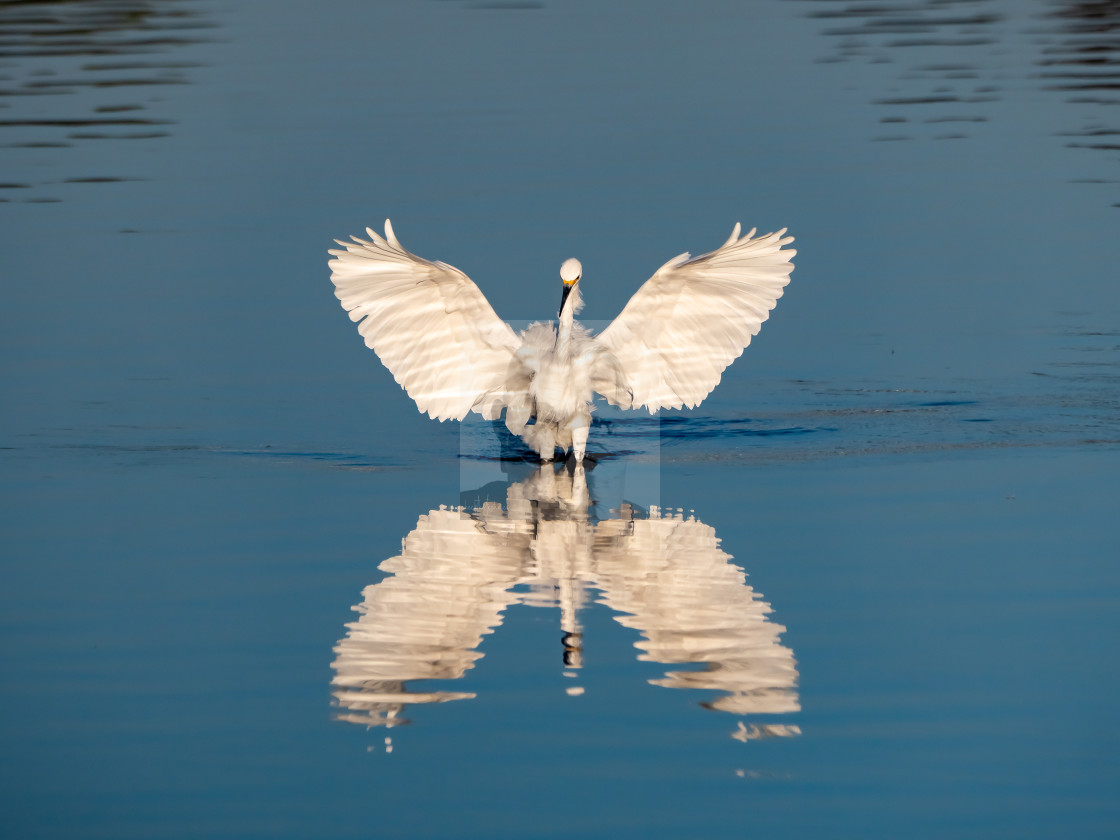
(444, 344)
(665, 575)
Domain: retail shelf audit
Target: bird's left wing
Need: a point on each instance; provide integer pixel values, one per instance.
(427, 321)
(695, 316)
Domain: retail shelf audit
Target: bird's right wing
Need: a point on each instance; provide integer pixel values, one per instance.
(427, 321)
(695, 316)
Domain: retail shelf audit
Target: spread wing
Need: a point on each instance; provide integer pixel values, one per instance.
(695, 316)
(427, 321)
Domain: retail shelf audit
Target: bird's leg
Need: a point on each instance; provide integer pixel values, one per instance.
(580, 426)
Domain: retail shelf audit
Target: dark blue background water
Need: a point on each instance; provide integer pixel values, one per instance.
(916, 463)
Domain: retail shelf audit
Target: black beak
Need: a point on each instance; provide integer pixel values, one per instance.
(564, 299)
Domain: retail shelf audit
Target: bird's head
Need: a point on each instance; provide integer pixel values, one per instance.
(570, 272)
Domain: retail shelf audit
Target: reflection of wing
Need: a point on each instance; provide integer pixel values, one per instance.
(447, 589)
(693, 605)
(695, 316)
(429, 324)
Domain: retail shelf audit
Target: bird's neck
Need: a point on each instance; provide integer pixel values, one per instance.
(567, 319)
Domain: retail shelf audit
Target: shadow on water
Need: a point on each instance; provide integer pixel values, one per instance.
(951, 62)
(1071, 401)
(661, 573)
(75, 72)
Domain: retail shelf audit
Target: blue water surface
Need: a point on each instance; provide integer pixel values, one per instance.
(879, 595)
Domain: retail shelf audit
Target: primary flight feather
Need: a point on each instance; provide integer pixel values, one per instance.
(444, 344)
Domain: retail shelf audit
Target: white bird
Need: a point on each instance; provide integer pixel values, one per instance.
(444, 344)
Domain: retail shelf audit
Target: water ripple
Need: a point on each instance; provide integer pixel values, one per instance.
(57, 97)
(1077, 45)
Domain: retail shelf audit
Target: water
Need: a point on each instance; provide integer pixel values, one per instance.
(868, 588)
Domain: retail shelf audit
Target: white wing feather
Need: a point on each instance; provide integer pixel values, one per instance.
(695, 316)
(427, 321)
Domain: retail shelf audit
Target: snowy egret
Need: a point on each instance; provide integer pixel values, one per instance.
(442, 341)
